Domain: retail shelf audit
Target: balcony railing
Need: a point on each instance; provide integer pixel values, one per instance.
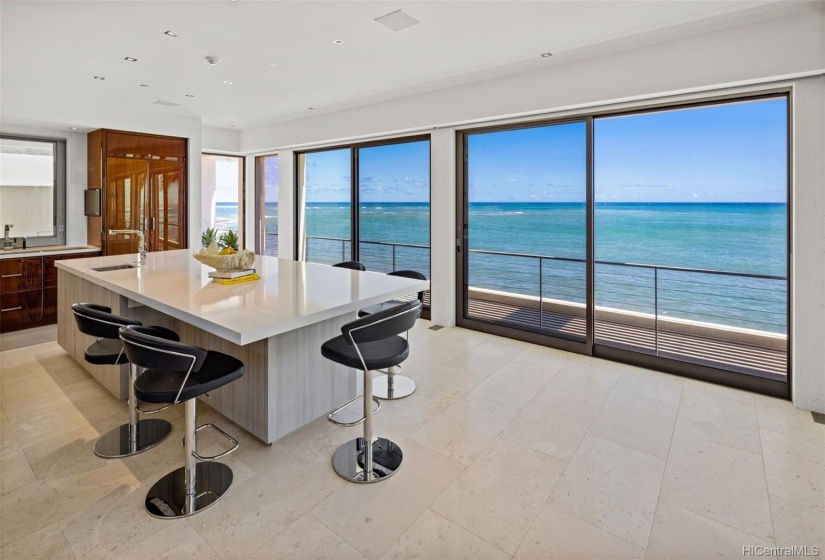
(713, 317)
(378, 256)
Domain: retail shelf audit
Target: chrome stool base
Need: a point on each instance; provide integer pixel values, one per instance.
(348, 460)
(392, 387)
(117, 443)
(167, 499)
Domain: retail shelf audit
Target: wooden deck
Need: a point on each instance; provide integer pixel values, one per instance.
(734, 356)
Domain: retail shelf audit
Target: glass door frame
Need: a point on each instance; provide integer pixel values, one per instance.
(242, 198)
(462, 253)
(753, 383)
(260, 199)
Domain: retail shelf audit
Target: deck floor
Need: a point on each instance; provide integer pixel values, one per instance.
(734, 356)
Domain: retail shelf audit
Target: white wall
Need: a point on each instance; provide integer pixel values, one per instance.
(90, 115)
(75, 175)
(220, 140)
(757, 51)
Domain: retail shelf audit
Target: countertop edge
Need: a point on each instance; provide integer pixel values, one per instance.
(47, 252)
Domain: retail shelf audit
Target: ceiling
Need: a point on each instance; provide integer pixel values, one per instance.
(59, 47)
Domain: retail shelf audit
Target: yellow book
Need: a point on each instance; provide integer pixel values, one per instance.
(238, 280)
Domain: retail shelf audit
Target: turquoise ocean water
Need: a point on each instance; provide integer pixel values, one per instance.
(745, 238)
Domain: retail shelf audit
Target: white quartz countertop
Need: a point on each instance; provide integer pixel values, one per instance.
(46, 251)
(289, 295)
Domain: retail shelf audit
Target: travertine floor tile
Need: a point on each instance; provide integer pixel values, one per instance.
(719, 390)
(781, 416)
(178, 541)
(719, 418)
(795, 468)
(17, 435)
(433, 537)
(797, 525)
(15, 472)
(679, 533)
(501, 493)
(46, 544)
(373, 516)
(638, 422)
(463, 430)
(516, 383)
(650, 384)
(584, 381)
(559, 536)
(307, 538)
(612, 487)
(446, 384)
(718, 482)
(553, 423)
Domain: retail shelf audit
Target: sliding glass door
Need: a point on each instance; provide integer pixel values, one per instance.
(658, 237)
(525, 249)
(691, 234)
(267, 179)
(222, 193)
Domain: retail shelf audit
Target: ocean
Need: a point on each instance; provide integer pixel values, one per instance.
(740, 238)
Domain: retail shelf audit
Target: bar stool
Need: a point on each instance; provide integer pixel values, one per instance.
(368, 344)
(138, 435)
(352, 265)
(175, 373)
(393, 386)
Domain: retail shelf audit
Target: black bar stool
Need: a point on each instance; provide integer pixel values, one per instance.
(352, 265)
(138, 435)
(175, 373)
(368, 344)
(393, 386)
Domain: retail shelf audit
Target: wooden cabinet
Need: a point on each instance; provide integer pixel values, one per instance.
(143, 184)
(28, 290)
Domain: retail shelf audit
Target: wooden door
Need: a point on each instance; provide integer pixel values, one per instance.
(167, 205)
(125, 198)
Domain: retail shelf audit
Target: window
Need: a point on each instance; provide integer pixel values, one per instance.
(222, 178)
(377, 194)
(33, 189)
(267, 178)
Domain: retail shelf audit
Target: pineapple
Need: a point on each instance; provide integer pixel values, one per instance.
(229, 239)
(209, 236)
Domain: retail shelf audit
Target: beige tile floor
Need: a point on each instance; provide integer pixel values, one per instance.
(510, 451)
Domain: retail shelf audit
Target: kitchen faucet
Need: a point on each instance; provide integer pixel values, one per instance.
(8, 242)
(141, 245)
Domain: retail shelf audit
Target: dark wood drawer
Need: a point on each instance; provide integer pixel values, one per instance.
(21, 309)
(49, 305)
(17, 275)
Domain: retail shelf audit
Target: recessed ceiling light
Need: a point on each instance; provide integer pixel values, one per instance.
(227, 82)
(397, 20)
(546, 55)
(130, 59)
(275, 65)
(189, 95)
(171, 33)
(99, 78)
(144, 85)
(74, 128)
(338, 42)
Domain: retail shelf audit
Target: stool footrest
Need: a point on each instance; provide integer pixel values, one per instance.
(207, 458)
(153, 411)
(345, 405)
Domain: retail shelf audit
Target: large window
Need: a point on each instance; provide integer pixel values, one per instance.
(656, 236)
(267, 178)
(377, 194)
(33, 189)
(223, 193)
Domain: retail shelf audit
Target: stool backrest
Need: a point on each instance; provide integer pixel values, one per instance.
(98, 320)
(414, 274)
(146, 350)
(384, 324)
(352, 265)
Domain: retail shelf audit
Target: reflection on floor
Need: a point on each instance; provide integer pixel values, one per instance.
(510, 450)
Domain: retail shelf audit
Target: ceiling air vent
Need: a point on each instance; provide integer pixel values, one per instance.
(397, 20)
(165, 103)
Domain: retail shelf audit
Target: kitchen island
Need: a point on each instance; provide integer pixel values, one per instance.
(275, 325)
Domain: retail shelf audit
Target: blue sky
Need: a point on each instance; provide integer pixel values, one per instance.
(735, 152)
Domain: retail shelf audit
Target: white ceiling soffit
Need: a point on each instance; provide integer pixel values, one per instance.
(282, 58)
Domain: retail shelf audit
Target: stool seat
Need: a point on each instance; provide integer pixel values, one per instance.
(378, 308)
(377, 355)
(106, 351)
(161, 386)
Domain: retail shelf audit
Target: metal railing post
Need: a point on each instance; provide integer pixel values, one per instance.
(393, 257)
(656, 309)
(343, 250)
(541, 294)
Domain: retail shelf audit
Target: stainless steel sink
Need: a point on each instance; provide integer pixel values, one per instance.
(114, 267)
